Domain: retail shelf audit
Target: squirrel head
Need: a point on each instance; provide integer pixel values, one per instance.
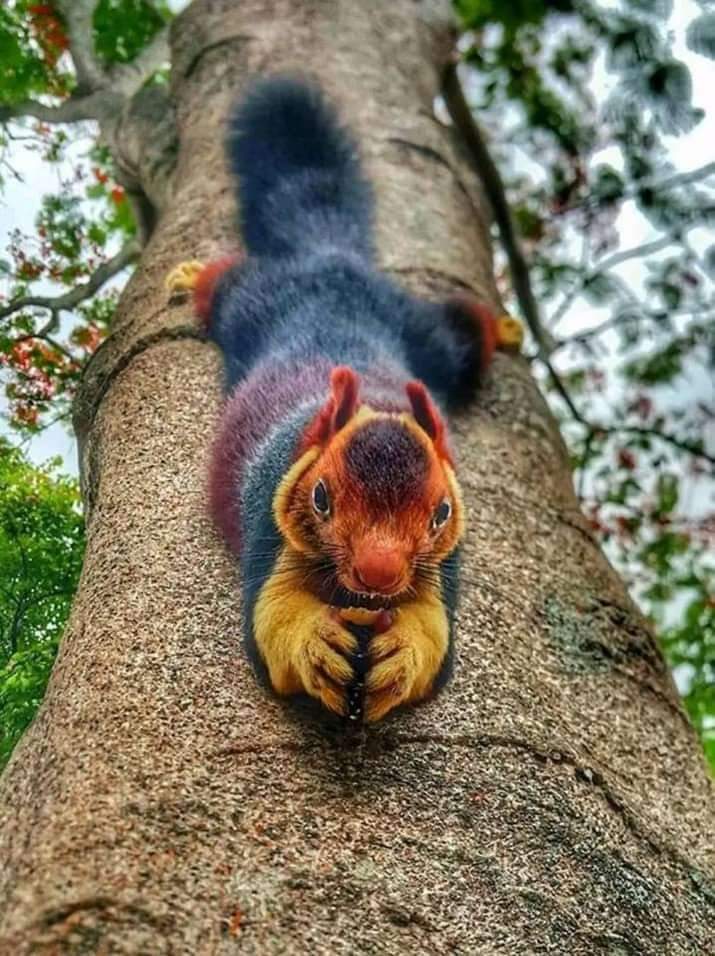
(373, 494)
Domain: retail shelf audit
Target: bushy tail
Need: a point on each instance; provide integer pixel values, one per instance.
(300, 182)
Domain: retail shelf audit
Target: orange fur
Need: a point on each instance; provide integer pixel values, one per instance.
(300, 638)
(205, 285)
(339, 408)
(356, 522)
(307, 644)
(485, 320)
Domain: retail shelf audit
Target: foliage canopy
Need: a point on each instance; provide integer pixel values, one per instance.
(41, 548)
(586, 164)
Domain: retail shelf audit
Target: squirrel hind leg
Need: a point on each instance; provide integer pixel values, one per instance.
(492, 331)
(201, 279)
(183, 277)
(509, 333)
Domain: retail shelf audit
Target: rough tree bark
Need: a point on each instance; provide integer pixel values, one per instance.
(553, 800)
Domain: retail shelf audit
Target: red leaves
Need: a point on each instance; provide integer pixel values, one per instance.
(626, 459)
(29, 270)
(20, 355)
(49, 32)
(626, 526)
(595, 523)
(27, 415)
(44, 373)
(88, 337)
(642, 406)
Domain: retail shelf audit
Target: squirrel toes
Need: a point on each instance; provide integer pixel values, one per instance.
(332, 477)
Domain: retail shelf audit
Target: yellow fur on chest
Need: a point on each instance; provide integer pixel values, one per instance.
(307, 647)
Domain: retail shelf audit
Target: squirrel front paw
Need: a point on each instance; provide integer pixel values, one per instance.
(321, 662)
(396, 670)
(309, 647)
(405, 660)
(310, 653)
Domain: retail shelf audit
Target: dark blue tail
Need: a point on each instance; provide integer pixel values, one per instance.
(300, 182)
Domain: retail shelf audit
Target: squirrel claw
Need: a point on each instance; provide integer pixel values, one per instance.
(391, 679)
(323, 668)
(183, 277)
(510, 333)
(390, 683)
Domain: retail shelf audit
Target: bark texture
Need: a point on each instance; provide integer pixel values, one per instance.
(553, 800)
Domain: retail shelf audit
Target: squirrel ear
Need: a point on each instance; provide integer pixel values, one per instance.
(337, 411)
(345, 385)
(427, 416)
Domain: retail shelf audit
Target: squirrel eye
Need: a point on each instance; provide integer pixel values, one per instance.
(321, 501)
(442, 514)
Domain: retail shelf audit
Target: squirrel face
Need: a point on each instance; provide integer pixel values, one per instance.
(373, 497)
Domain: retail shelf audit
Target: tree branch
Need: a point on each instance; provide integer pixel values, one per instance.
(684, 179)
(463, 120)
(654, 184)
(582, 470)
(494, 187)
(127, 78)
(80, 293)
(651, 316)
(102, 93)
(591, 333)
(78, 16)
(94, 106)
(566, 397)
(679, 443)
(594, 429)
(645, 249)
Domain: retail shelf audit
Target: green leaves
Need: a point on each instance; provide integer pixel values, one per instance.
(22, 72)
(631, 42)
(667, 490)
(709, 261)
(575, 162)
(690, 647)
(661, 8)
(62, 219)
(78, 228)
(607, 184)
(700, 36)
(477, 13)
(601, 287)
(41, 548)
(32, 40)
(122, 28)
(668, 90)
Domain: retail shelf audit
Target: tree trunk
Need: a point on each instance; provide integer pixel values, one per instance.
(553, 799)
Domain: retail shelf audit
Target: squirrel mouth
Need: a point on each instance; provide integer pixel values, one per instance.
(343, 597)
(328, 587)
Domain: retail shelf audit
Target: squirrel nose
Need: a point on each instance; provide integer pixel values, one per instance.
(378, 568)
